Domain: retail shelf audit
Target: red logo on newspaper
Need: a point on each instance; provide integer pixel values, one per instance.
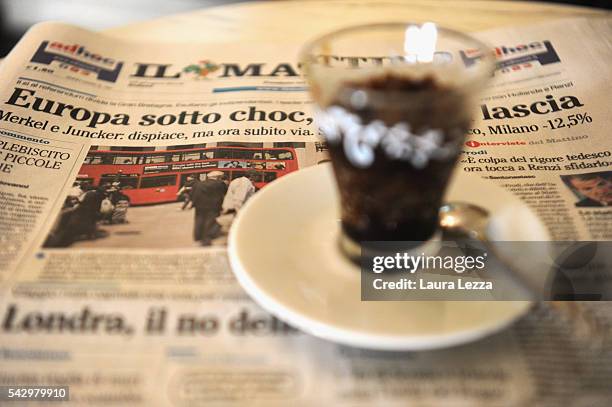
(79, 59)
(517, 57)
(475, 144)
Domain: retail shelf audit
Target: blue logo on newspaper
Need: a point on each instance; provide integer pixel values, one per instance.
(77, 56)
(542, 52)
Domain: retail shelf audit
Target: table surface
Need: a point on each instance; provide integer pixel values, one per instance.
(299, 21)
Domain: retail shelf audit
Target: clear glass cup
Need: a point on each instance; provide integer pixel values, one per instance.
(394, 101)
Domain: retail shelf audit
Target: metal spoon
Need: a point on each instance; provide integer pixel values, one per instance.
(469, 220)
(461, 219)
(465, 219)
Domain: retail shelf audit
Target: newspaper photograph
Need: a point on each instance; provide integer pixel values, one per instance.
(176, 196)
(123, 166)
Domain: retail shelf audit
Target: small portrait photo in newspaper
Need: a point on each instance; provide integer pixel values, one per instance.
(592, 189)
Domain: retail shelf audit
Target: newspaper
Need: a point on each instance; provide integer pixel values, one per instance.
(108, 287)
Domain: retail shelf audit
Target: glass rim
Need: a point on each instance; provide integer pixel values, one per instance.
(486, 63)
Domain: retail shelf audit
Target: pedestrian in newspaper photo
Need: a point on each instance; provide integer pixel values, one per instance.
(120, 202)
(76, 191)
(207, 199)
(184, 194)
(77, 219)
(238, 192)
(106, 206)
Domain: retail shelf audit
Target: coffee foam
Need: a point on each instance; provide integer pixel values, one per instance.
(360, 140)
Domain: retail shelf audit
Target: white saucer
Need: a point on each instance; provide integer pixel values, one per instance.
(283, 251)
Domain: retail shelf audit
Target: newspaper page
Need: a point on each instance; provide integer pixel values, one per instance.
(110, 286)
(541, 131)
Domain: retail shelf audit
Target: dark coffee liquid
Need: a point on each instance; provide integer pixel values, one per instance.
(392, 199)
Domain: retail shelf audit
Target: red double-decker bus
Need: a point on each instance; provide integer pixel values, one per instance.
(150, 177)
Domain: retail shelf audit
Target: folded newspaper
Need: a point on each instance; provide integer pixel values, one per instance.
(109, 286)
